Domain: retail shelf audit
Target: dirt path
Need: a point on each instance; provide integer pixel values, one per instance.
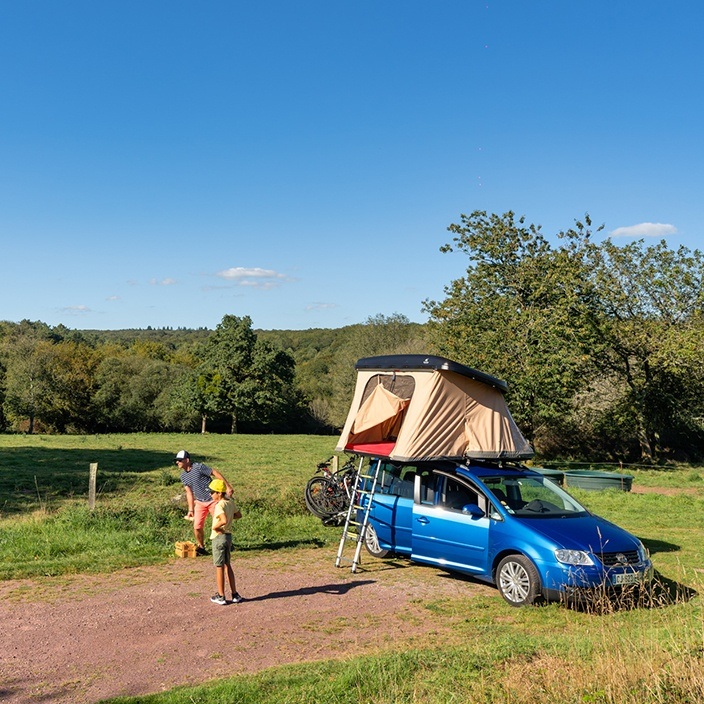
(145, 630)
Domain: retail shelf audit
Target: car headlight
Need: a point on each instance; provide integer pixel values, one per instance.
(573, 557)
(643, 552)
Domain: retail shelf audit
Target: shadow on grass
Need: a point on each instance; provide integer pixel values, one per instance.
(670, 592)
(32, 477)
(655, 546)
(339, 589)
(304, 542)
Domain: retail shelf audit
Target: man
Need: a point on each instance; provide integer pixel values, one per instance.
(196, 477)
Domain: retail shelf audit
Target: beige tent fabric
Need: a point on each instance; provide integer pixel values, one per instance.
(379, 417)
(448, 416)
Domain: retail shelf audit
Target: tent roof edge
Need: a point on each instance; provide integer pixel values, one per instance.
(427, 362)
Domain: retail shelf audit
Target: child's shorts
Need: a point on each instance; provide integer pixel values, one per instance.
(222, 549)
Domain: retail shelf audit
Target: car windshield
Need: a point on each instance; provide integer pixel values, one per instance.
(533, 497)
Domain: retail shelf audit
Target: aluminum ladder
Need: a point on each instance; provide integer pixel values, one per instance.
(354, 530)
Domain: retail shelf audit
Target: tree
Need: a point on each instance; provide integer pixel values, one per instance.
(133, 393)
(647, 306)
(243, 378)
(51, 383)
(584, 332)
(378, 335)
(514, 314)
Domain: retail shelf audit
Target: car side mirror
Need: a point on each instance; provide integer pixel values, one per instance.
(472, 510)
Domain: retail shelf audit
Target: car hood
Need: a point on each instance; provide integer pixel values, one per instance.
(583, 533)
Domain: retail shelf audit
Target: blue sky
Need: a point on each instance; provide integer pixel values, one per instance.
(167, 162)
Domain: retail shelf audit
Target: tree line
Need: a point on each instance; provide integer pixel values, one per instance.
(601, 345)
(231, 379)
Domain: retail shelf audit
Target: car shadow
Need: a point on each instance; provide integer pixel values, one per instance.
(655, 546)
(304, 542)
(339, 589)
(661, 593)
(669, 592)
(383, 565)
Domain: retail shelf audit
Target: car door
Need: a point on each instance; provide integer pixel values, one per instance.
(392, 508)
(444, 532)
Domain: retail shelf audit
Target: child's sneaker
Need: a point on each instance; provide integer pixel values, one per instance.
(237, 598)
(201, 551)
(218, 599)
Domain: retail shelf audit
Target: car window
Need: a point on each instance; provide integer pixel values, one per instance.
(396, 479)
(455, 495)
(387, 476)
(533, 497)
(427, 487)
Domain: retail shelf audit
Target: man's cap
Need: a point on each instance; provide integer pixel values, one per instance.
(182, 455)
(218, 485)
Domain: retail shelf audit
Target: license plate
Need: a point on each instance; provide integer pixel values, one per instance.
(627, 578)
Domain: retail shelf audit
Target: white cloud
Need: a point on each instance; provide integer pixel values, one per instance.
(253, 277)
(321, 306)
(75, 310)
(163, 282)
(645, 229)
(112, 298)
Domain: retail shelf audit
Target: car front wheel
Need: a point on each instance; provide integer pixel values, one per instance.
(518, 580)
(371, 542)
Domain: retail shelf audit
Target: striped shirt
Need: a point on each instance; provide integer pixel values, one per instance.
(198, 478)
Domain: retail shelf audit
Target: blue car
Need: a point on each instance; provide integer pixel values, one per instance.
(504, 524)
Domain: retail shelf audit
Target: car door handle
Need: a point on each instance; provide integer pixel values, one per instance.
(423, 520)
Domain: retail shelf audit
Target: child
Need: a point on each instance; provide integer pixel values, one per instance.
(221, 539)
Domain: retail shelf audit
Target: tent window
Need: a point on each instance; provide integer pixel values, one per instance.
(399, 385)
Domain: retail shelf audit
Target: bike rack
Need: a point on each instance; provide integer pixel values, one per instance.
(355, 530)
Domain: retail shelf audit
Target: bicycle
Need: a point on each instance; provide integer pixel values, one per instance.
(328, 496)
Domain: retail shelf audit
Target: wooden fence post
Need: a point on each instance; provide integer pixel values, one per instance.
(91, 485)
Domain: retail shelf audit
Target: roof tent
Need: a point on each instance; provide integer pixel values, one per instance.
(413, 408)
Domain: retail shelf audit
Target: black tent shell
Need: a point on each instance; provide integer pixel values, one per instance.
(409, 362)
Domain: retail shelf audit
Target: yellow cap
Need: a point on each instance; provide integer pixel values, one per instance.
(218, 485)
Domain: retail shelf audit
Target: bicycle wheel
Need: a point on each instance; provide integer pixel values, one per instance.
(323, 497)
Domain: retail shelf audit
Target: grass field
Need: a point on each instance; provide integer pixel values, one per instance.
(46, 528)
(651, 654)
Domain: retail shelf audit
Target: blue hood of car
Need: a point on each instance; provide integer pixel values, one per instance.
(583, 532)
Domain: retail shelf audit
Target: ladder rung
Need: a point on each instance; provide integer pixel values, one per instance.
(354, 530)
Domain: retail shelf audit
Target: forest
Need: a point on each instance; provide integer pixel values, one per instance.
(601, 345)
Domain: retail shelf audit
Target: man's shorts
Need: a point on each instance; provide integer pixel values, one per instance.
(200, 510)
(222, 549)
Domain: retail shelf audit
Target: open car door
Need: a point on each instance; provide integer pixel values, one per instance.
(450, 527)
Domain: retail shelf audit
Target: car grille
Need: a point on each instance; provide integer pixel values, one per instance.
(614, 559)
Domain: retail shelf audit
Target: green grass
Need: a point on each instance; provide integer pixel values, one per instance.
(46, 528)
(482, 651)
(667, 476)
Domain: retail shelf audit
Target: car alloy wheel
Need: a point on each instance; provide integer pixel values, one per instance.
(371, 542)
(518, 580)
